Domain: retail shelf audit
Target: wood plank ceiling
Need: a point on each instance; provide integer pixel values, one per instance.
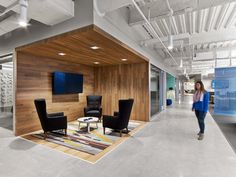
(77, 48)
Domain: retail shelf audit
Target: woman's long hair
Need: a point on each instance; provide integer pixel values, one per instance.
(202, 88)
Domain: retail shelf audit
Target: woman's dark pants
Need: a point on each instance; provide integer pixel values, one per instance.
(201, 116)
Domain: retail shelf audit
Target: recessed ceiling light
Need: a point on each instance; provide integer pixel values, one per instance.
(94, 47)
(61, 54)
(23, 23)
(124, 59)
(170, 47)
(96, 63)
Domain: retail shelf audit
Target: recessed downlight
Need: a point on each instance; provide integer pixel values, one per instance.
(61, 54)
(95, 47)
(23, 24)
(124, 59)
(96, 63)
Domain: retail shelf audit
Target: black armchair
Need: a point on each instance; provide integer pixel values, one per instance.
(93, 108)
(50, 122)
(119, 120)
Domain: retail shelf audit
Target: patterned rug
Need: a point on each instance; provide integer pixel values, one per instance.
(77, 138)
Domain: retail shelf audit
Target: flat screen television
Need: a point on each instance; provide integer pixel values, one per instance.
(67, 83)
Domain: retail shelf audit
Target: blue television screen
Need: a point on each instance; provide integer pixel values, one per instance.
(67, 83)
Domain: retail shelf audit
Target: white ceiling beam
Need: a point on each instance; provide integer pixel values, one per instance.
(212, 51)
(190, 16)
(161, 11)
(213, 36)
(173, 25)
(194, 21)
(232, 18)
(166, 26)
(199, 21)
(156, 26)
(165, 39)
(204, 18)
(222, 16)
(210, 19)
(182, 23)
(199, 38)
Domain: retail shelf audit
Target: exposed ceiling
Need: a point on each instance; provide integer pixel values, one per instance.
(204, 32)
(47, 12)
(79, 47)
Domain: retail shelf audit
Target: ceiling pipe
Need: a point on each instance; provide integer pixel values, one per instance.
(169, 8)
(153, 30)
(23, 20)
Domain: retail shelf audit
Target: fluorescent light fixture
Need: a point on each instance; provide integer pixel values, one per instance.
(96, 63)
(170, 42)
(94, 47)
(61, 54)
(124, 59)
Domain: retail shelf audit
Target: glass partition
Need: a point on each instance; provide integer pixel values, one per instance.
(6, 93)
(155, 90)
(225, 91)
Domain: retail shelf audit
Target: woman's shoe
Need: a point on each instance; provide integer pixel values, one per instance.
(201, 136)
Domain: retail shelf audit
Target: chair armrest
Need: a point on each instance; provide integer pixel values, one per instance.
(110, 121)
(116, 113)
(56, 123)
(55, 114)
(57, 117)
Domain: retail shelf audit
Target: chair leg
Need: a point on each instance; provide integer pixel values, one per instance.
(104, 130)
(45, 135)
(66, 132)
(120, 133)
(127, 130)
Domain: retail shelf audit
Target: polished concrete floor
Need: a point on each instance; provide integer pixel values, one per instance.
(166, 147)
(6, 120)
(227, 125)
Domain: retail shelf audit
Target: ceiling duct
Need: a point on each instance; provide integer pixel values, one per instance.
(23, 21)
(104, 6)
(48, 12)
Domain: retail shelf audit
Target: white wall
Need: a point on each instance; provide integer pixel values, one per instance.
(207, 84)
(35, 32)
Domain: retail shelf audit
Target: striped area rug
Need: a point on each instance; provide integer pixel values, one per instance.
(78, 139)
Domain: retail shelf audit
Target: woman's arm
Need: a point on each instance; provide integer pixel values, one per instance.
(205, 101)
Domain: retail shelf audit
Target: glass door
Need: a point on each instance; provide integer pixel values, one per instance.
(155, 90)
(6, 93)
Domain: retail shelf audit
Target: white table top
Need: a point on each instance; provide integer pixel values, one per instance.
(87, 119)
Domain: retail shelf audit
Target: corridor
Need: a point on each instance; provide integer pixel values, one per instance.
(166, 147)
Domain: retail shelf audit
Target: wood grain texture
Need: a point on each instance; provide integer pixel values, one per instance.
(113, 78)
(34, 80)
(123, 82)
(77, 46)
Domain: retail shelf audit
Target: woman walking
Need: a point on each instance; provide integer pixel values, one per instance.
(200, 106)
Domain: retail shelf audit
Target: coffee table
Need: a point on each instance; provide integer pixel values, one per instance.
(88, 121)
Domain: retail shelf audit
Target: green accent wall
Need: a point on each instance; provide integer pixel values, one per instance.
(170, 81)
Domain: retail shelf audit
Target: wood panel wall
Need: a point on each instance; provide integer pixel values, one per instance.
(122, 82)
(34, 80)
